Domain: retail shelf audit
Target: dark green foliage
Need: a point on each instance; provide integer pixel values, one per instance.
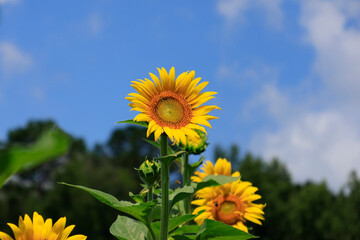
(109, 167)
(308, 211)
(293, 211)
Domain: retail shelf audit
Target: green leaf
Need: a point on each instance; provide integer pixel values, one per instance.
(179, 194)
(171, 157)
(214, 230)
(125, 228)
(215, 180)
(195, 165)
(157, 145)
(139, 211)
(52, 143)
(180, 237)
(186, 229)
(137, 197)
(177, 221)
(143, 124)
(173, 223)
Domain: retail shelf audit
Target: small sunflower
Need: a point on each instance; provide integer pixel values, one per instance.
(196, 145)
(172, 106)
(222, 167)
(231, 204)
(40, 230)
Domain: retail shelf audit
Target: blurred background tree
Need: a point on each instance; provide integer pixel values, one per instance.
(293, 211)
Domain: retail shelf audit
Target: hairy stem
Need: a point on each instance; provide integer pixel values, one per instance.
(186, 180)
(164, 225)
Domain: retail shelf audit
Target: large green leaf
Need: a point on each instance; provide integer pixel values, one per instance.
(171, 157)
(214, 230)
(195, 165)
(215, 180)
(52, 143)
(142, 124)
(179, 194)
(125, 228)
(139, 211)
(173, 223)
(181, 237)
(186, 229)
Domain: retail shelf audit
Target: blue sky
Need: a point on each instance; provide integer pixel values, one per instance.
(286, 71)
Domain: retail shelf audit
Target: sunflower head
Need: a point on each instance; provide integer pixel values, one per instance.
(38, 229)
(231, 204)
(172, 105)
(196, 145)
(149, 171)
(222, 167)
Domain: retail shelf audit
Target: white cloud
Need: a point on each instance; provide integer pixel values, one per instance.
(12, 60)
(336, 43)
(234, 10)
(315, 145)
(37, 93)
(95, 24)
(317, 135)
(269, 101)
(8, 1)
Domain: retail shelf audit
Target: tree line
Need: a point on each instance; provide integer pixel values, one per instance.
(294, 211)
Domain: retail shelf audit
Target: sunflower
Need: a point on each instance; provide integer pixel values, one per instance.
(222, 167)
(40, 230)
(196, 145)
(172, 106)
(231, 204)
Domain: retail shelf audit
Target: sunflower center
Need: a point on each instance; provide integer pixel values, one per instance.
(227, 209)
(170, 109)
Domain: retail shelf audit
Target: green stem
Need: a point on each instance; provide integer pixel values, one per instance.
(150, 234)
(186, 180)
(164, 225)
(150, 194)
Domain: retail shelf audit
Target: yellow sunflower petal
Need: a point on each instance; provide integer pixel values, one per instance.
(67, 232)
(172, 103)
(77, 237)
(235, 198)
(157, 133)
(4, 236)
(16, 230)
(46, 230)
(252, 219)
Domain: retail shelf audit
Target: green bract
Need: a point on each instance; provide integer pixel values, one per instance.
(149, 172)
(196, 145)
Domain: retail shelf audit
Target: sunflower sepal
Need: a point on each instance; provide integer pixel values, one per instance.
(130, 121)
(221, 231)
(195, 144)
(149, 172)
(214, 180)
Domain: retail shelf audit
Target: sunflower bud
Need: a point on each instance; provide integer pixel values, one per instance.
(196, 145)
(149, 172)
